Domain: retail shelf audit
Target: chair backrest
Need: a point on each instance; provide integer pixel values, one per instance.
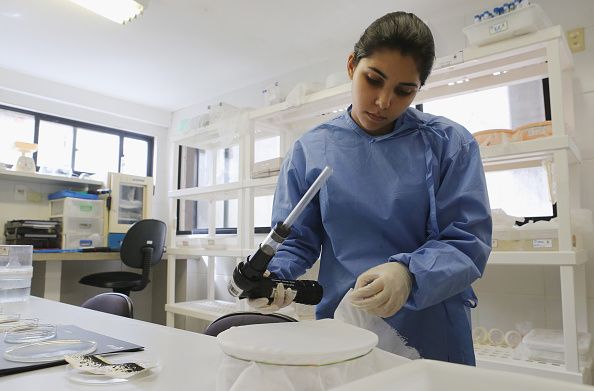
(144, 241)
(112, 303)
(244, 318)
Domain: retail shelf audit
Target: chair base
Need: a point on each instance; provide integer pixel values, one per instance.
(119, 282)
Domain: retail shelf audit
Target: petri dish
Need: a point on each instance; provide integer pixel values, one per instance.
(5, 318)
(10, 324)
(47, 351)
(84, 377)
(30, 333)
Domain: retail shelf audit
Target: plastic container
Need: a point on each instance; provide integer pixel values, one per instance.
(525, 238)
(552, 341)
(490, 137)
(78, 241)
(532, 131)
(71, 194)
(513, 338)
(16, 270)
(81, 232)
(496, 337)
(480, 335)
(81, 225)
(518, 22)
(75, 207)
(266, 168)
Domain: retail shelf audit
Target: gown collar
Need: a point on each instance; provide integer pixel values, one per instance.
(397, 127)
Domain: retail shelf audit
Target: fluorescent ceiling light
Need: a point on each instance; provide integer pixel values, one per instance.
(120, 11)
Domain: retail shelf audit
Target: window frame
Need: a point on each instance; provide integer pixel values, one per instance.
(202, 231)
(150, 140)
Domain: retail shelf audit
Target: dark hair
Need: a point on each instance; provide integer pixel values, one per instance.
(404, 32)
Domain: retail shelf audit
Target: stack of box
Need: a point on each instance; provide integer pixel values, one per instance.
(36, 233)
(266, 168)
(547, 345)
(81, 221)
(16, 270)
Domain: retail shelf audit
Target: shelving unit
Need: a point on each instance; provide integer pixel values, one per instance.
(525, 58)
(48, 179)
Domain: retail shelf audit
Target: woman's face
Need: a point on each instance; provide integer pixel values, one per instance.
(384, 85)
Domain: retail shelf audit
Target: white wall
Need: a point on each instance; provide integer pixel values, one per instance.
(507, 295)
(30, 93)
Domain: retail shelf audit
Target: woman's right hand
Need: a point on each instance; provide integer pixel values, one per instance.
(281, 298)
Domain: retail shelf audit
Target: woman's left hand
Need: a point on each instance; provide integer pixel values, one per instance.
(383, 289)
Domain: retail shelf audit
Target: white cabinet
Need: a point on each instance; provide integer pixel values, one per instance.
(529, 57)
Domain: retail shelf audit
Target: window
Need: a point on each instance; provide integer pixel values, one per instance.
(266, 148)
(135, 159)
(55, 143)
(506, 108)
(15, 126)
(67, 146)
(195, 170)
(85, 155)
(496, 108)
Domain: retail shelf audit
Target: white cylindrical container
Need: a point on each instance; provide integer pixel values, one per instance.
(513, 338)
(496, 337)
(480, 335)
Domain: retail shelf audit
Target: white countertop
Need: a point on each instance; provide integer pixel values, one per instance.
(188, 360)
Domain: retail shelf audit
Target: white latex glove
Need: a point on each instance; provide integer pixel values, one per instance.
(383, 289)
(282, 298)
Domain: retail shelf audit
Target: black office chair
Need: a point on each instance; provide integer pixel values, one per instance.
(142, 248)
(111, 303)
(244, 318)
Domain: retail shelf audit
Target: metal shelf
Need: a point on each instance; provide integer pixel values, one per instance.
(223, 191)
(523, 151)
(48, 179)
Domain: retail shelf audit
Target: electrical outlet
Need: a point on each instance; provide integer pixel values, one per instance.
(576, 39)
(20, 193)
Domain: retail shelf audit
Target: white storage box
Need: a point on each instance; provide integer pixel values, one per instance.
(76, 207)
(266, 168)
(80, 225)
(81, 232)
(518, 22)
(429, 375)
(16, 270)
(552, 340)
(78, 241)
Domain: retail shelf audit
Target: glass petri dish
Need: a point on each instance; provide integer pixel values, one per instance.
(10, 324)
(84, 377)
(47, 351)
(5, 318)
(30, 333)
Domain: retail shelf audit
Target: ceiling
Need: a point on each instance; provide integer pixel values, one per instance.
(181, 52)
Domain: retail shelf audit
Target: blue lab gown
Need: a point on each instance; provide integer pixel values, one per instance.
(416, 195)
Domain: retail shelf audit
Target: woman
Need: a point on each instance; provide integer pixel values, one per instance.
(405, 218)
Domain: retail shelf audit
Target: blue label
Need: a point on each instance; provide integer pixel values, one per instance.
(85, 243)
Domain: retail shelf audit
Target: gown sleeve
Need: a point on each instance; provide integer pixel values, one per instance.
(456, 256)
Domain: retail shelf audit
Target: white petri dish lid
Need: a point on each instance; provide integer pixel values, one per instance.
(30, 333)
(19, 322)
(321, 342)
(47, 351)
(7, 318)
